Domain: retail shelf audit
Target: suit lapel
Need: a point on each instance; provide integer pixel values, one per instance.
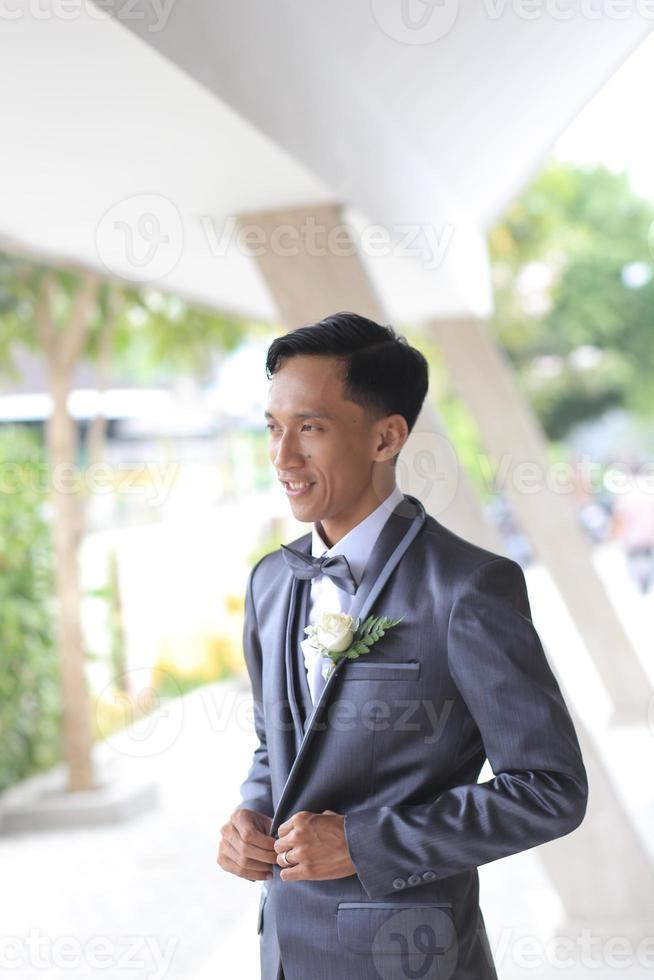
(398, 532)
(297, 685)
(290, 658)
(396, 528)
(282, 687)
(304, 695)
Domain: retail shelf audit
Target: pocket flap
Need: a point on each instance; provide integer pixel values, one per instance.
(364, 670)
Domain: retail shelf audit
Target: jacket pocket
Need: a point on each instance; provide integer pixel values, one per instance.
(362, 670)
(421, 933)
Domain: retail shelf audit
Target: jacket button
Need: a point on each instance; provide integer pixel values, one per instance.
(428, 875)
(399, 882)
(414, 879)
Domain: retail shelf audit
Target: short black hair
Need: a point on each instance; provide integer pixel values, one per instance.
(383, 373)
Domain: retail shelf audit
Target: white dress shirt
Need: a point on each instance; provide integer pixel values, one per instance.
(325, 595)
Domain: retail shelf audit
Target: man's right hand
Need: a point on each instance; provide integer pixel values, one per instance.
(246, 847)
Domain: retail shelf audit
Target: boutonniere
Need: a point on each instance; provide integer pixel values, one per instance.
(341, 637)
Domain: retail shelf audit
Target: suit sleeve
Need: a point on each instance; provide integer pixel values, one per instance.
(539, 790)
(256, 790)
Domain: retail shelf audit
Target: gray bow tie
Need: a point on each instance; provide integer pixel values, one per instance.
(335, 566)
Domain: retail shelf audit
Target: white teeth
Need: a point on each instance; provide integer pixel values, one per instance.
(298, 486)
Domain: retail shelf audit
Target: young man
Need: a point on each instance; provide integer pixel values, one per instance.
(361, 810)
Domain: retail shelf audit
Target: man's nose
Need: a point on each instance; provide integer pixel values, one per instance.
(285, 453)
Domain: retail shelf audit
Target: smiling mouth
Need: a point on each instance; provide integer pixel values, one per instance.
(294, 489)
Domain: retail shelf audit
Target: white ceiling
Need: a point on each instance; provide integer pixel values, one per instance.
(343, 87)
(163, 123)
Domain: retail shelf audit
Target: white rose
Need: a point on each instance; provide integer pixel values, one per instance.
(334, 631)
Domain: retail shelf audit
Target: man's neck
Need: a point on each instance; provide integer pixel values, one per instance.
(332, 529)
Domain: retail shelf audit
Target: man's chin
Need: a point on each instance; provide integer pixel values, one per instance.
(305, 512)
(304, 509)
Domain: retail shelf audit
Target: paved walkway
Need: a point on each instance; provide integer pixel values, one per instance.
(146, 897)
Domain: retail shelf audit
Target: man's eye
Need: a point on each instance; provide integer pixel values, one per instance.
(270, 426)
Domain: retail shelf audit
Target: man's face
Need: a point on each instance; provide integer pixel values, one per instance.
(331, 447)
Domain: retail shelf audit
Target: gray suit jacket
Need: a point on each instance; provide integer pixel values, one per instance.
(396, 742)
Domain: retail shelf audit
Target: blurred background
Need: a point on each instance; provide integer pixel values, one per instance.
(182, 182)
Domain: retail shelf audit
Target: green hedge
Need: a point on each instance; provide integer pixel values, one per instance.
(30, 705)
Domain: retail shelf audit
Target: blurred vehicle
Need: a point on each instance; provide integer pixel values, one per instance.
(595, 516)
(633, 527)
(515, 542)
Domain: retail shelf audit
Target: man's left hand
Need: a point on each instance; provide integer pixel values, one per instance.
(317, 844)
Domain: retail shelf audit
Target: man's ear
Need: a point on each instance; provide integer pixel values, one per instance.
(399, 424)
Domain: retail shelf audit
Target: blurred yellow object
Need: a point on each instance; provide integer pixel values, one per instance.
(206, 653)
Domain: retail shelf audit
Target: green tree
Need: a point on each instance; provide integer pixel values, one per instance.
(574, 294)
(68, 313)
(30, 706)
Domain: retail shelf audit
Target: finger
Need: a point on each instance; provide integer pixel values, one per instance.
(246, 850)
(290, 823)
(250, 834)
(281, 859)
(228, 865)
(286, 843)
(253, 850)
(249, 841)
(293, 862)
(293, 874)
(246, 862)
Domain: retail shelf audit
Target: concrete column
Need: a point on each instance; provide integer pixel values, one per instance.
(602, 872)
(306, 267)
(513, 438)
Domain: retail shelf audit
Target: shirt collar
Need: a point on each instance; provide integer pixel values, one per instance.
(359, 541)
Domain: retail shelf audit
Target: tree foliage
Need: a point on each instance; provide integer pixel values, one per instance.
(574, 292)
(155, 335)
(29, 682)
